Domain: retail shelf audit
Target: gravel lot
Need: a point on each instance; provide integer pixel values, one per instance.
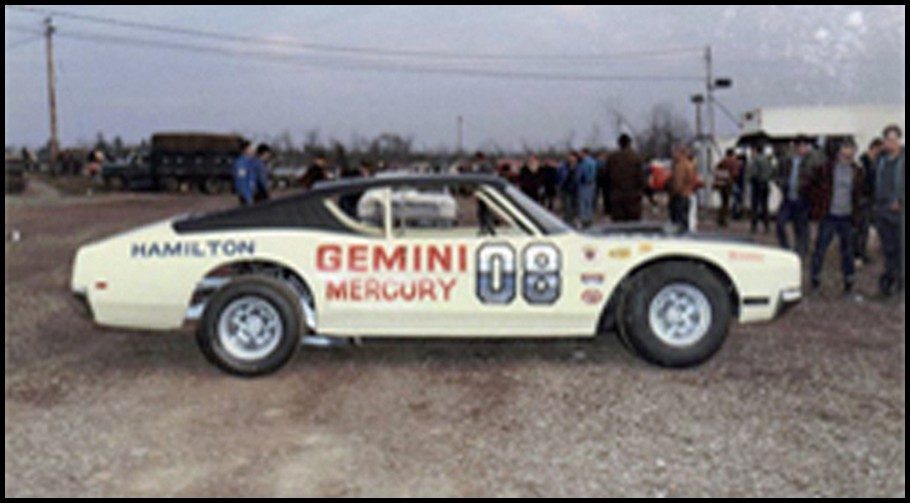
(810, 405)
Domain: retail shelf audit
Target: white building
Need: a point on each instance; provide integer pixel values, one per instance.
(862, 122)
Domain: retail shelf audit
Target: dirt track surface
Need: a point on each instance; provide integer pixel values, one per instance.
(813, 404)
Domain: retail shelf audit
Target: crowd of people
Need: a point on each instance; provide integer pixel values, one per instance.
(847, 195)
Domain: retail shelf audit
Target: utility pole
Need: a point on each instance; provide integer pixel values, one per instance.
(698, 100)
(709, 91)
(51, 92)
(460, 134)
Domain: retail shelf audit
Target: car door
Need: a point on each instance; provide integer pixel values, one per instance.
(487, 272)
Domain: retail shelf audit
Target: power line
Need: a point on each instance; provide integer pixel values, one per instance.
(24, 41)
(301, 60)
(371, 51)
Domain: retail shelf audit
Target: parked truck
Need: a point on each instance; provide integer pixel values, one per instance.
(178, 161)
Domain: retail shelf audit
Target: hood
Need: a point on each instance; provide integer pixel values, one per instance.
(660, 230)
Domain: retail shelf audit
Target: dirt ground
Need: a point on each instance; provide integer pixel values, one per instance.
(811, 405)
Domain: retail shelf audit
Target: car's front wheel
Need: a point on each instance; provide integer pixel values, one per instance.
(675, 313)
(251, 326)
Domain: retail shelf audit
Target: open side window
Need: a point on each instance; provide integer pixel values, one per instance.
(363, 212)
(450, 211)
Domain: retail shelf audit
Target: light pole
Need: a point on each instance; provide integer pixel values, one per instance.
(460, 135)
(54, 144)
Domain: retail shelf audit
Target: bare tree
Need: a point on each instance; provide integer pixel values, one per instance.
(664, 129)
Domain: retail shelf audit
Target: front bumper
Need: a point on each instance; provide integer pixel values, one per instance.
(788, 299)
(82, 300)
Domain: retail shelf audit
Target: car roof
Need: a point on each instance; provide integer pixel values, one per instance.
(326, 188)
(304, 209)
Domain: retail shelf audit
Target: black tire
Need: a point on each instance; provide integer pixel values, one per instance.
(280, 297)
(633, 313)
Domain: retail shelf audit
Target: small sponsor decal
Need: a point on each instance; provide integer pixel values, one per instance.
(590, 253)
(592, 278)
(645, 247)
(746, 256)
(620, 253)
(591, 296)
(201, 248)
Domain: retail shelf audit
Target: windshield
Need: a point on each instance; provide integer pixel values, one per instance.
(548, 222)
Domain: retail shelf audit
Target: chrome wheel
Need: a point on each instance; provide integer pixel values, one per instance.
(249, 328)
(680, 314)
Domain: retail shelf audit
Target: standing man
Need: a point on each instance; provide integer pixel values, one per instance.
(888, 209)
(317, 172)
(529, 178)
(568, 188)
(586, 178)
(245, 172)
(482, 165)
(603, 182)
(261, 164)
(725, 175)
(549, 179)
(681, 187)
(835, 189)
(626, 180)
(793, 178)
(760, 173)
(864, 214)
(348, 201)
(739, 187)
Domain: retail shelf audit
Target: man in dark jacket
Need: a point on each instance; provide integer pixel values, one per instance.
(888, 209)
(263, 157)
(317, 172)
(549, 178)
(603, 182)
(835, 190)
(568, 188)
(761, 172)
(627, 182)
(863, 221)
(529, 178)
(793, 176)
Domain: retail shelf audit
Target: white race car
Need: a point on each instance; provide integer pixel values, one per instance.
(260, 280)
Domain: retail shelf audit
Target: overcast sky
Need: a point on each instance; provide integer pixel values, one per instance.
(775, 55)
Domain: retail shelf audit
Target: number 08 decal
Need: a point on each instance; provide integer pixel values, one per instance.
(497, 273)
(541, 274)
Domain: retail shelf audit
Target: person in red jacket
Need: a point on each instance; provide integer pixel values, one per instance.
(726, 172)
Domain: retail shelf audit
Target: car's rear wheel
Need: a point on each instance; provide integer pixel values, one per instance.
(251, 326)
(675, 314)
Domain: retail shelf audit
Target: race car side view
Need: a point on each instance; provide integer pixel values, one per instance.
(257, 281)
